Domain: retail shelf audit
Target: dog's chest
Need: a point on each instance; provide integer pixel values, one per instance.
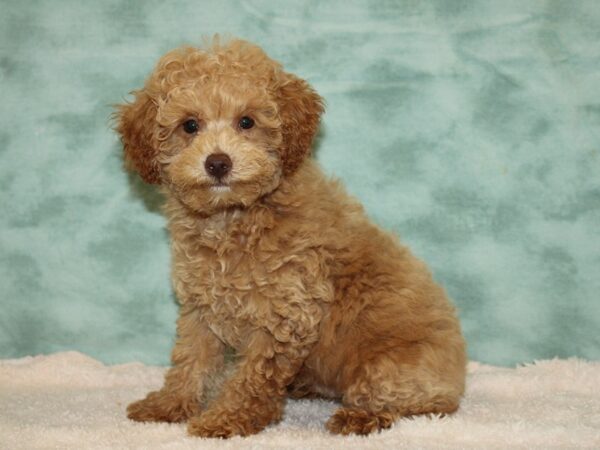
(232, 304)
(228, 287)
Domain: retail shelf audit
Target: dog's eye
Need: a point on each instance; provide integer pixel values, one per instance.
(246, 123)
(191, 126)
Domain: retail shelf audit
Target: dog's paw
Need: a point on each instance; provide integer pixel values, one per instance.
(358, 421)
(225, 424)
(162, 406)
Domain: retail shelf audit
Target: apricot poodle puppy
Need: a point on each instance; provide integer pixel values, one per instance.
(275, 263)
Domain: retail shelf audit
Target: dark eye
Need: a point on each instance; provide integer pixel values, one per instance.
(246, 123)
(191, 126)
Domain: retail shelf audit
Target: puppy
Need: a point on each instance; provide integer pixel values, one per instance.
(274, 261)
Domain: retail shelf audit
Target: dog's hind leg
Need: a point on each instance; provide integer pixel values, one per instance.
(383, 391)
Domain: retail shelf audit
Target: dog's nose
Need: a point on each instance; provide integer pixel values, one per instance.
(218, 165)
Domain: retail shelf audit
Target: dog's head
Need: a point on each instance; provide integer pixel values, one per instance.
(219, 127)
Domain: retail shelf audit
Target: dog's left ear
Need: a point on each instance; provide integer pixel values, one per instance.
(300, 109)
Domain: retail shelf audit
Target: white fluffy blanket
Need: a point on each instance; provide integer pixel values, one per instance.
(71, 401)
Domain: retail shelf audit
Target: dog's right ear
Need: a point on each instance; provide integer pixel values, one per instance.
(135, 124)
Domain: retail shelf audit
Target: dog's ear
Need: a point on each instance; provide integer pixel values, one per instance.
(300, 109)
(135, 124)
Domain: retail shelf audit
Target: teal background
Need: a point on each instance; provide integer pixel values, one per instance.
(470, 128)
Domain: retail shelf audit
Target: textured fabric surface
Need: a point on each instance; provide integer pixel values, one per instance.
(71, 401)
(471, 128)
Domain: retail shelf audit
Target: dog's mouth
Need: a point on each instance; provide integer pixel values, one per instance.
(220, 187)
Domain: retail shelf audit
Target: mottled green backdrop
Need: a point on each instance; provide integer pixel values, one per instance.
(470, 128)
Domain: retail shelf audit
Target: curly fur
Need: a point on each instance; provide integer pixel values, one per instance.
(278, 263)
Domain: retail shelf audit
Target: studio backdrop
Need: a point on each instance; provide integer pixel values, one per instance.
(471, 129)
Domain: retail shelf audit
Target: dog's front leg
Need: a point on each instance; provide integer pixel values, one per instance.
(197, 354)
(254, 396)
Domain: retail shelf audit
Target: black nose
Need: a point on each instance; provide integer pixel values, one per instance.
(218, 164)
